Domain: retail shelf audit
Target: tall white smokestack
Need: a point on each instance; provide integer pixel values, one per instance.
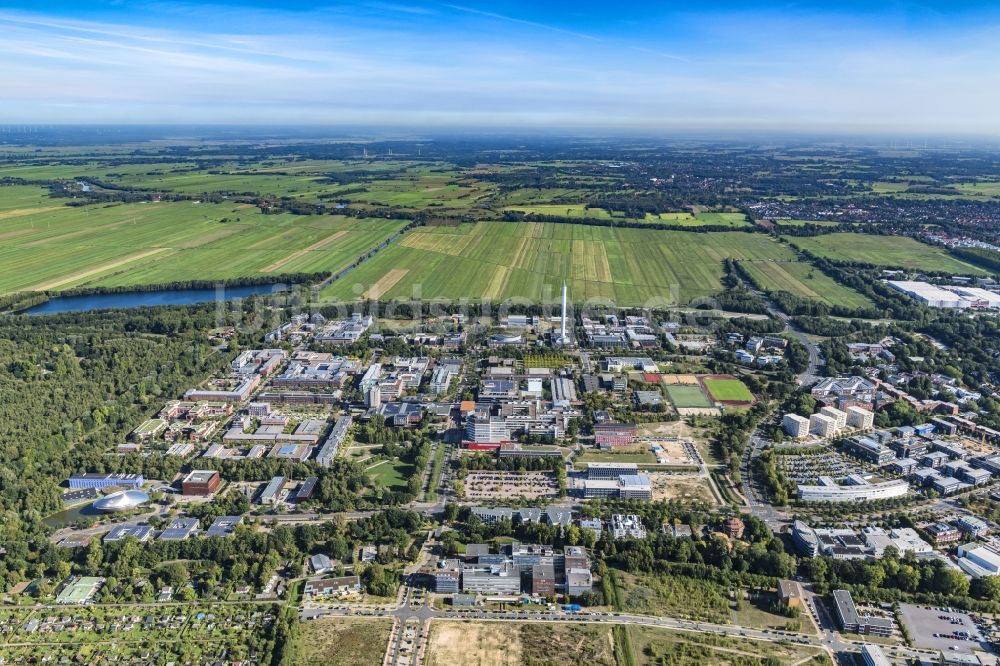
(562, 331)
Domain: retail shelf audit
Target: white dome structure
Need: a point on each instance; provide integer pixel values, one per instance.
(123, 500)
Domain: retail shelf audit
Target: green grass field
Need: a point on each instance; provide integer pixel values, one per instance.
(563, 210)
(884, 251)
(983, 188)
(49, 246)
(733, 220)
(503, 260)
(802, 279)
(687, 395)
(392, 474)
(802, 223)
(728, 390)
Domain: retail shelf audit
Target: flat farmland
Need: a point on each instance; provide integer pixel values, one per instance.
(564, 210)
(983, 188)
(884, 251)
(528, 260)
(802, 223)
(58, 247)
(802, 279)
(419, 189)
(25, 198)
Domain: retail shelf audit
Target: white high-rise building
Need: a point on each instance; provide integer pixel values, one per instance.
(839, 417)
(822, 425)
(860, 418)
(373, 398)
(481, 427)
(796, 426)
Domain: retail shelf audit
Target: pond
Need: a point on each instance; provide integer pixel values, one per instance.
(134, 299)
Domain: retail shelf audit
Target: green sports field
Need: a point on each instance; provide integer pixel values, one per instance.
(505, 260)
(728, 390)
(884, 251)
(50, 246)
(802, 279)
(687, 395)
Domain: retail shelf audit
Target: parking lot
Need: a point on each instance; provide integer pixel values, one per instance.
(511, 485)
(940, 629)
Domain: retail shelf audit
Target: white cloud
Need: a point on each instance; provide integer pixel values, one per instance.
(396, 64)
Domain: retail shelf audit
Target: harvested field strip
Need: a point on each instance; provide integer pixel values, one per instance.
(498, 282)
(15, 233)
(58, 282)
(387, 282)
(21, 212)
(312, 248)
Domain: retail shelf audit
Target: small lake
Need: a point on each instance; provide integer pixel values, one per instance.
(85, 511)
(135, 299)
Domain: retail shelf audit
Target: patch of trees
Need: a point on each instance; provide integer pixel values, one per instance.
(892, 578)
(980, 256)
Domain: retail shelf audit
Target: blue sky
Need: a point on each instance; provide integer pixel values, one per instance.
(925, 67)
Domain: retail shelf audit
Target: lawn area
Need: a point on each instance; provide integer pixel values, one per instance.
(55, 247)
(392, 474)
(687, 395)
(503, 260)
(900, 251)
(342, 641)
(728, 390)
(802, 279)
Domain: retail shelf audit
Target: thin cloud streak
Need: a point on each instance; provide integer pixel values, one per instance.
(450, 65)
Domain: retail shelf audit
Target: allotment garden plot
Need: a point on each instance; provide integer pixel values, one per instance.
(504, 260)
